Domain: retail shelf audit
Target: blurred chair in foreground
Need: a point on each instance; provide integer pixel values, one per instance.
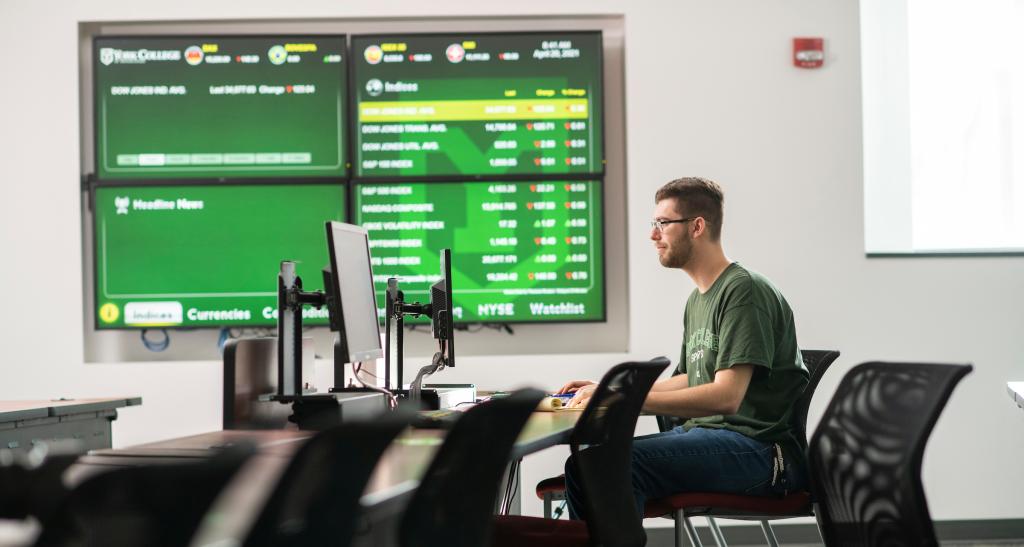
(865, 454)
(601, 447)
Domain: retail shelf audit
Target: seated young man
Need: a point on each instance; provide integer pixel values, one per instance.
(739, 375)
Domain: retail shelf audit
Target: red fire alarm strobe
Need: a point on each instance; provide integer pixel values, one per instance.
(808, 52)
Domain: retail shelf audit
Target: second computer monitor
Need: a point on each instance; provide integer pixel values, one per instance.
(353, 306)
(442, 321)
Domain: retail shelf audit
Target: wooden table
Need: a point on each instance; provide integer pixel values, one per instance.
(87, 421)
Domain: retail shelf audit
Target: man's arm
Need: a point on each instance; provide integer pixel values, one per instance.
(678, 381)
(722, 396)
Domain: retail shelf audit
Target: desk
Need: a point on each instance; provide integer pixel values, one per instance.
(1016, 391)
(24, 423)
(387, 492)
(278, 444)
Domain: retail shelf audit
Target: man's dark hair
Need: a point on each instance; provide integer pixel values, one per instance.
(696, 197)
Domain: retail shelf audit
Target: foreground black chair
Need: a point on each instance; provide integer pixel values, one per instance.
(316, 500)
(737, 506)
(453, 504)
(31, 484)
(155, 505)
(605, 429)
(865, 455)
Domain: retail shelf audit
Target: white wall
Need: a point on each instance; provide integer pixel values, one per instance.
(710, 90)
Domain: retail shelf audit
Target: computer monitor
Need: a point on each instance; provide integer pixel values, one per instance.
(441, 306)
(351, 300)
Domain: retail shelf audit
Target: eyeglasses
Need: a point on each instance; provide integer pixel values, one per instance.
(659, 225)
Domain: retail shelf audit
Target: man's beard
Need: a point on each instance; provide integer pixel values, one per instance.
(678, 255)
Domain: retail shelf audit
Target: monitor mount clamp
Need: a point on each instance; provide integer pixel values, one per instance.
(396, 308)
(290, 301)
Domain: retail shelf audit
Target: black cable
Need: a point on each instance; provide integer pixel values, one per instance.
(512, 486)
(507, 495)
(156, 346)
(557, 513)
(515, 483)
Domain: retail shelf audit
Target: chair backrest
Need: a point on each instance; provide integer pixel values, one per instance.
(31, 483)
(817, 362)
(154, 505)
(865, 454)
(453, 505)
(316, 500)
(606, 427)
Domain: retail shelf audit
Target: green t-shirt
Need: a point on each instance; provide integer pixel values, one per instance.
(744, 319)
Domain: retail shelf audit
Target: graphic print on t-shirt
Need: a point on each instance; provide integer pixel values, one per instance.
(702, 351)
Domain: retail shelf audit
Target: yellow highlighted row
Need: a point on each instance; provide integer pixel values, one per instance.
(473, 110)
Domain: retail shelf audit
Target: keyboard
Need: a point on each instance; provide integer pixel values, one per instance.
(436, 419)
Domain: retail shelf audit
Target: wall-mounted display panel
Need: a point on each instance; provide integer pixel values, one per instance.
(477, 104)
(219, 107)
(207, 256)
(522, 251)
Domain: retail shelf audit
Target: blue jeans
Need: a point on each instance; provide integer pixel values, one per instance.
(699, 460)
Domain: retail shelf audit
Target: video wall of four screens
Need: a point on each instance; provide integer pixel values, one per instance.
(218, 157)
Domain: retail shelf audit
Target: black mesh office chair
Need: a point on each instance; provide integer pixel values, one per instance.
(453, 504)
(156, 505)
(736, 506)
(605, 429)
(316, 500)
(31, 484)
(865, 454)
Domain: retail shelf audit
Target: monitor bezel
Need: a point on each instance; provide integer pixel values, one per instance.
(336, 305)
(449, 308)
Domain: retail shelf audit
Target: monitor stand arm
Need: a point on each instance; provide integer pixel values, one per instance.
(436, 364)
(290, 300)
(396, 309)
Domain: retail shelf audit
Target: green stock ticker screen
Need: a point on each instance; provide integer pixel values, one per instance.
(521, 251)
(207, 256)
(478, 104)
(220, 107)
